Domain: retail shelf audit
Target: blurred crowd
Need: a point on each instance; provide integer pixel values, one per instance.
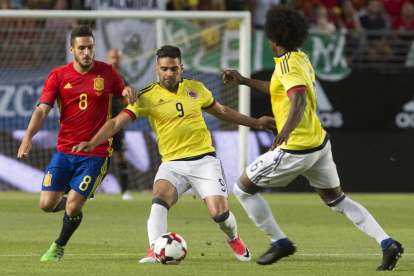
(377, 28)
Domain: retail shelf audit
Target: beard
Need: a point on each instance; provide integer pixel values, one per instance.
(83, 64)
(169, 85)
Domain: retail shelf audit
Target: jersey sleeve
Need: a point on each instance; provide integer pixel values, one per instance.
(209, 101)
(117, 84)
(137, 110)
(291, 77)
(50, 90)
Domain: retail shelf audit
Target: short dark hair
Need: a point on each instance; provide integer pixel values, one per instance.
(286, 27)
(169, 51)
(82, 31)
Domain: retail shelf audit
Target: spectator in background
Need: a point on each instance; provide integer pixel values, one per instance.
(183, 5)
(259, 9)
(212, 5)
(374, 22)
(349, 20)
(349, 17)
(404, 24)
(391, 8)
(119, 143)
(321, 23)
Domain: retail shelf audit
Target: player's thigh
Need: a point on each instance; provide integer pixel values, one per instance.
(207, 177)
(174, 173)
(323, 173)
(58, 174)
(89, 174)
(276, 168)
(74, 203)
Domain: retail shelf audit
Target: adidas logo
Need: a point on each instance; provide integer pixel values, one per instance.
(67, 86)
(406, 119)
(326, 113)
(161, 101)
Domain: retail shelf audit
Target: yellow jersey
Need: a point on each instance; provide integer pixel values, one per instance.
(293, 72)
(176, 119)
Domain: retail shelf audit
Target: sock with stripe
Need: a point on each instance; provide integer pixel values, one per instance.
(361, 218)
(259, 212)
(70, 224)
(157, 222)
(227, 223)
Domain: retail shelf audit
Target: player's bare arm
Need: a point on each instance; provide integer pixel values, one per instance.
(36, 122)
(108, 130)
(297, 108)
(237, 78)
(130, 96)
(229, 115)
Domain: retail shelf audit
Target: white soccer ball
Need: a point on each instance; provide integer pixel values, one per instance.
(170, 248)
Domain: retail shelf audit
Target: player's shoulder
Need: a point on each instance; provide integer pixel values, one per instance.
(147, 89)
(100, 65)
(63, 69)
(292, 61)
(192, 84)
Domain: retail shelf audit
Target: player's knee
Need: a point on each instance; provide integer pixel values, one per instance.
(221, 217)
(241, 191)
(46, 206)
(73, 209)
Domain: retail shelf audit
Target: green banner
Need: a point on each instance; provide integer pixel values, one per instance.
(212, 50)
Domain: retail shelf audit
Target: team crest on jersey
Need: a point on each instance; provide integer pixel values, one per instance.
(98, 83)
(48, 180)
(192, 94)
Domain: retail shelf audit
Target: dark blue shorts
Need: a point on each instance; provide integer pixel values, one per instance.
(81, 173)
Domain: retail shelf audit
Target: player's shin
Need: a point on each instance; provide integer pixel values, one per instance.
(358, 215)
(157, 222)
(227, 223)
(70, 224)
(259, 212)
(61, 205)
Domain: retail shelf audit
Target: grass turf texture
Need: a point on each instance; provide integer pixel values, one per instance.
(113, 237)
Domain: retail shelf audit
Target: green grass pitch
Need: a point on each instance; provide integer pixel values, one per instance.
(113, 237)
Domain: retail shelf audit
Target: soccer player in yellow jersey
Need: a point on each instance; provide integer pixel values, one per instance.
(302, 145)
(173, 108)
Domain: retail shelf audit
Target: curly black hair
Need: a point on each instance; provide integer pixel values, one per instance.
(286, 27)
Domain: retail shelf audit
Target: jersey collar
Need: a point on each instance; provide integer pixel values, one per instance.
(278, 58)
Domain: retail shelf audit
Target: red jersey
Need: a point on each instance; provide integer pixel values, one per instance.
(84, 103)
(401, 25)
(393, 6)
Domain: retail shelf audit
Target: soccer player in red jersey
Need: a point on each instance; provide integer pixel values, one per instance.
(83, 90)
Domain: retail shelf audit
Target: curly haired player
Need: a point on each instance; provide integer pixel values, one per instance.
(302, 145)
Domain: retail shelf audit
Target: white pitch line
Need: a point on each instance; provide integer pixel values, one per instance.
(131, 254)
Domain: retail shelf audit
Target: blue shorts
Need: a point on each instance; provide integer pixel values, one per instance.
(77, 172)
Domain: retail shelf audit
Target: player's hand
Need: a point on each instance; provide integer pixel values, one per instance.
(281, 138)
(266, 123)
(130, 94)
(84, 146)
(24, 149)
(233, 76)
